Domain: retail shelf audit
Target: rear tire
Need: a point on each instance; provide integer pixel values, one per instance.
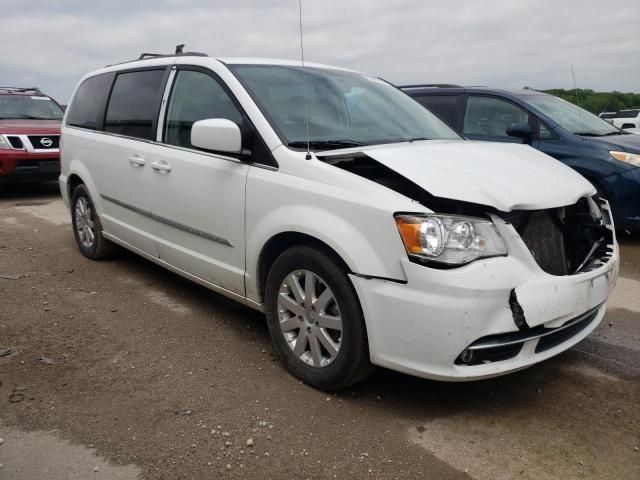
(87, 228)
(322, 341)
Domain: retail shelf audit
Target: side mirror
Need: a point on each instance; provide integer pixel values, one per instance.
(520, 130)
(217, 134)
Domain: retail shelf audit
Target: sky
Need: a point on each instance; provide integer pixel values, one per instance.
(515, 43)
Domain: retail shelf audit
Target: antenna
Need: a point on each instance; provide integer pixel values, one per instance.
(575, 88)
(304, 81)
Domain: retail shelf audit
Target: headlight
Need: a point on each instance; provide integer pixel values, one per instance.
(3, 142)
(449, 239)
(632, 158)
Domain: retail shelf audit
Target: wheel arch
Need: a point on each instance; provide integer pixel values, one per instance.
(79, 174)
(282, 241)
(72, 182)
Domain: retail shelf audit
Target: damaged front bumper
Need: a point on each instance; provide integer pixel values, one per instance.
(487, 318)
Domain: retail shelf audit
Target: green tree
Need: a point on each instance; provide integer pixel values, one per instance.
(597, 102)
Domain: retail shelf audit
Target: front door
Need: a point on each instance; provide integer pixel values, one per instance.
(487, 118)
(198, 198)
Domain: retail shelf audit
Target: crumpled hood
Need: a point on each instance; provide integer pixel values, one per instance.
(506, 176)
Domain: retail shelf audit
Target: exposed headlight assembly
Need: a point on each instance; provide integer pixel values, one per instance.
(632, 158)
(449, 239)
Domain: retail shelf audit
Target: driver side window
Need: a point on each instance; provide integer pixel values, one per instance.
(195, 96)
(490, 117)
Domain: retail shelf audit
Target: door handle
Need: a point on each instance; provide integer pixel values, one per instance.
(137, 161)
(162, 167)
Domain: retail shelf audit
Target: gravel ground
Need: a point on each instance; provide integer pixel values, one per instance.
(119, 369)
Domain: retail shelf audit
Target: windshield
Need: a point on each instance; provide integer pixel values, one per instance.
(571, 117)
(606, 116)
(344, 108)
(32, 107)
(628, 113)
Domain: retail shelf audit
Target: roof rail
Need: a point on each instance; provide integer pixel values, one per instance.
(178, 53)
(35, 90)
(433, 85)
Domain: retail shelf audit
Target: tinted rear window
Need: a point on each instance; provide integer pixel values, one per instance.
(445, 106)
(88, 102)
(134, 104)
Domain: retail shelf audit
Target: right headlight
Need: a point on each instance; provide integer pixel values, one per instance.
(449, 239)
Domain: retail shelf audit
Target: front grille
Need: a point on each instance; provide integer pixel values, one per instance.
(26, 167)
(566, 240)
(503, 346)
(15, 142)
(556, 338)
(45, 142)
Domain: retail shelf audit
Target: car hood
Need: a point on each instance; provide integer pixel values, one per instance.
(629, 143)
(502, 175)
(29, 126)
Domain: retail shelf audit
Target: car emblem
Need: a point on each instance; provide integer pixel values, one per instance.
(46, 142)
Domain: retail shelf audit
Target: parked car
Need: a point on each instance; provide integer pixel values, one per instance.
(29, 135)
(608, 116)
(607, 156)
(367, 230)
(627, 118)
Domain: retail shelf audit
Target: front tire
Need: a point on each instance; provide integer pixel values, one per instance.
(87, 228)
(315, 320)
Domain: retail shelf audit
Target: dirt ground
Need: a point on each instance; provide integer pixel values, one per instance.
(119, 369)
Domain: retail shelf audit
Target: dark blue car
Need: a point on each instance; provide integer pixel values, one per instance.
(605, 155)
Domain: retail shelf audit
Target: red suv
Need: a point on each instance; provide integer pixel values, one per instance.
(29, 135)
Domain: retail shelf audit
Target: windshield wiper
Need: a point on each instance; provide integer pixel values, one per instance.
(594, 134)
(325, 144)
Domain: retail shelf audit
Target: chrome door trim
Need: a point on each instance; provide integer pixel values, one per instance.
(168, 221)
(163, 105)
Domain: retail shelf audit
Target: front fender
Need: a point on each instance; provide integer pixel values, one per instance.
(377, 255)
(355, 219)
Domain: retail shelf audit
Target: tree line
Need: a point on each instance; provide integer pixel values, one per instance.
(597, 102)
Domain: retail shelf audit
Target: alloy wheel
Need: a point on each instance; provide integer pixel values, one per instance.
(84, 223)
(310, 318)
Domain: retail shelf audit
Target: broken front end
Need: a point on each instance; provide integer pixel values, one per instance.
(533, 297)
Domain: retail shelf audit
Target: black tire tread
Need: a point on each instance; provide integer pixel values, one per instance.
(102, 248)
(353, 364)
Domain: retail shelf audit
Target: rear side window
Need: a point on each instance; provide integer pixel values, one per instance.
(88, 103)
(628, 113)
(134, 104)
(445, 106)
(195, 96)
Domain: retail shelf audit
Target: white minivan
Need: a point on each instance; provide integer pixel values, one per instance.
(367, 231)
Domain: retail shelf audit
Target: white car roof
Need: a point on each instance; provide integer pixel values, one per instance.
(166, 60)
(276, 61)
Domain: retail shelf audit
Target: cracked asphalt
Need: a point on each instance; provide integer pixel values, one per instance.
(121, 370)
